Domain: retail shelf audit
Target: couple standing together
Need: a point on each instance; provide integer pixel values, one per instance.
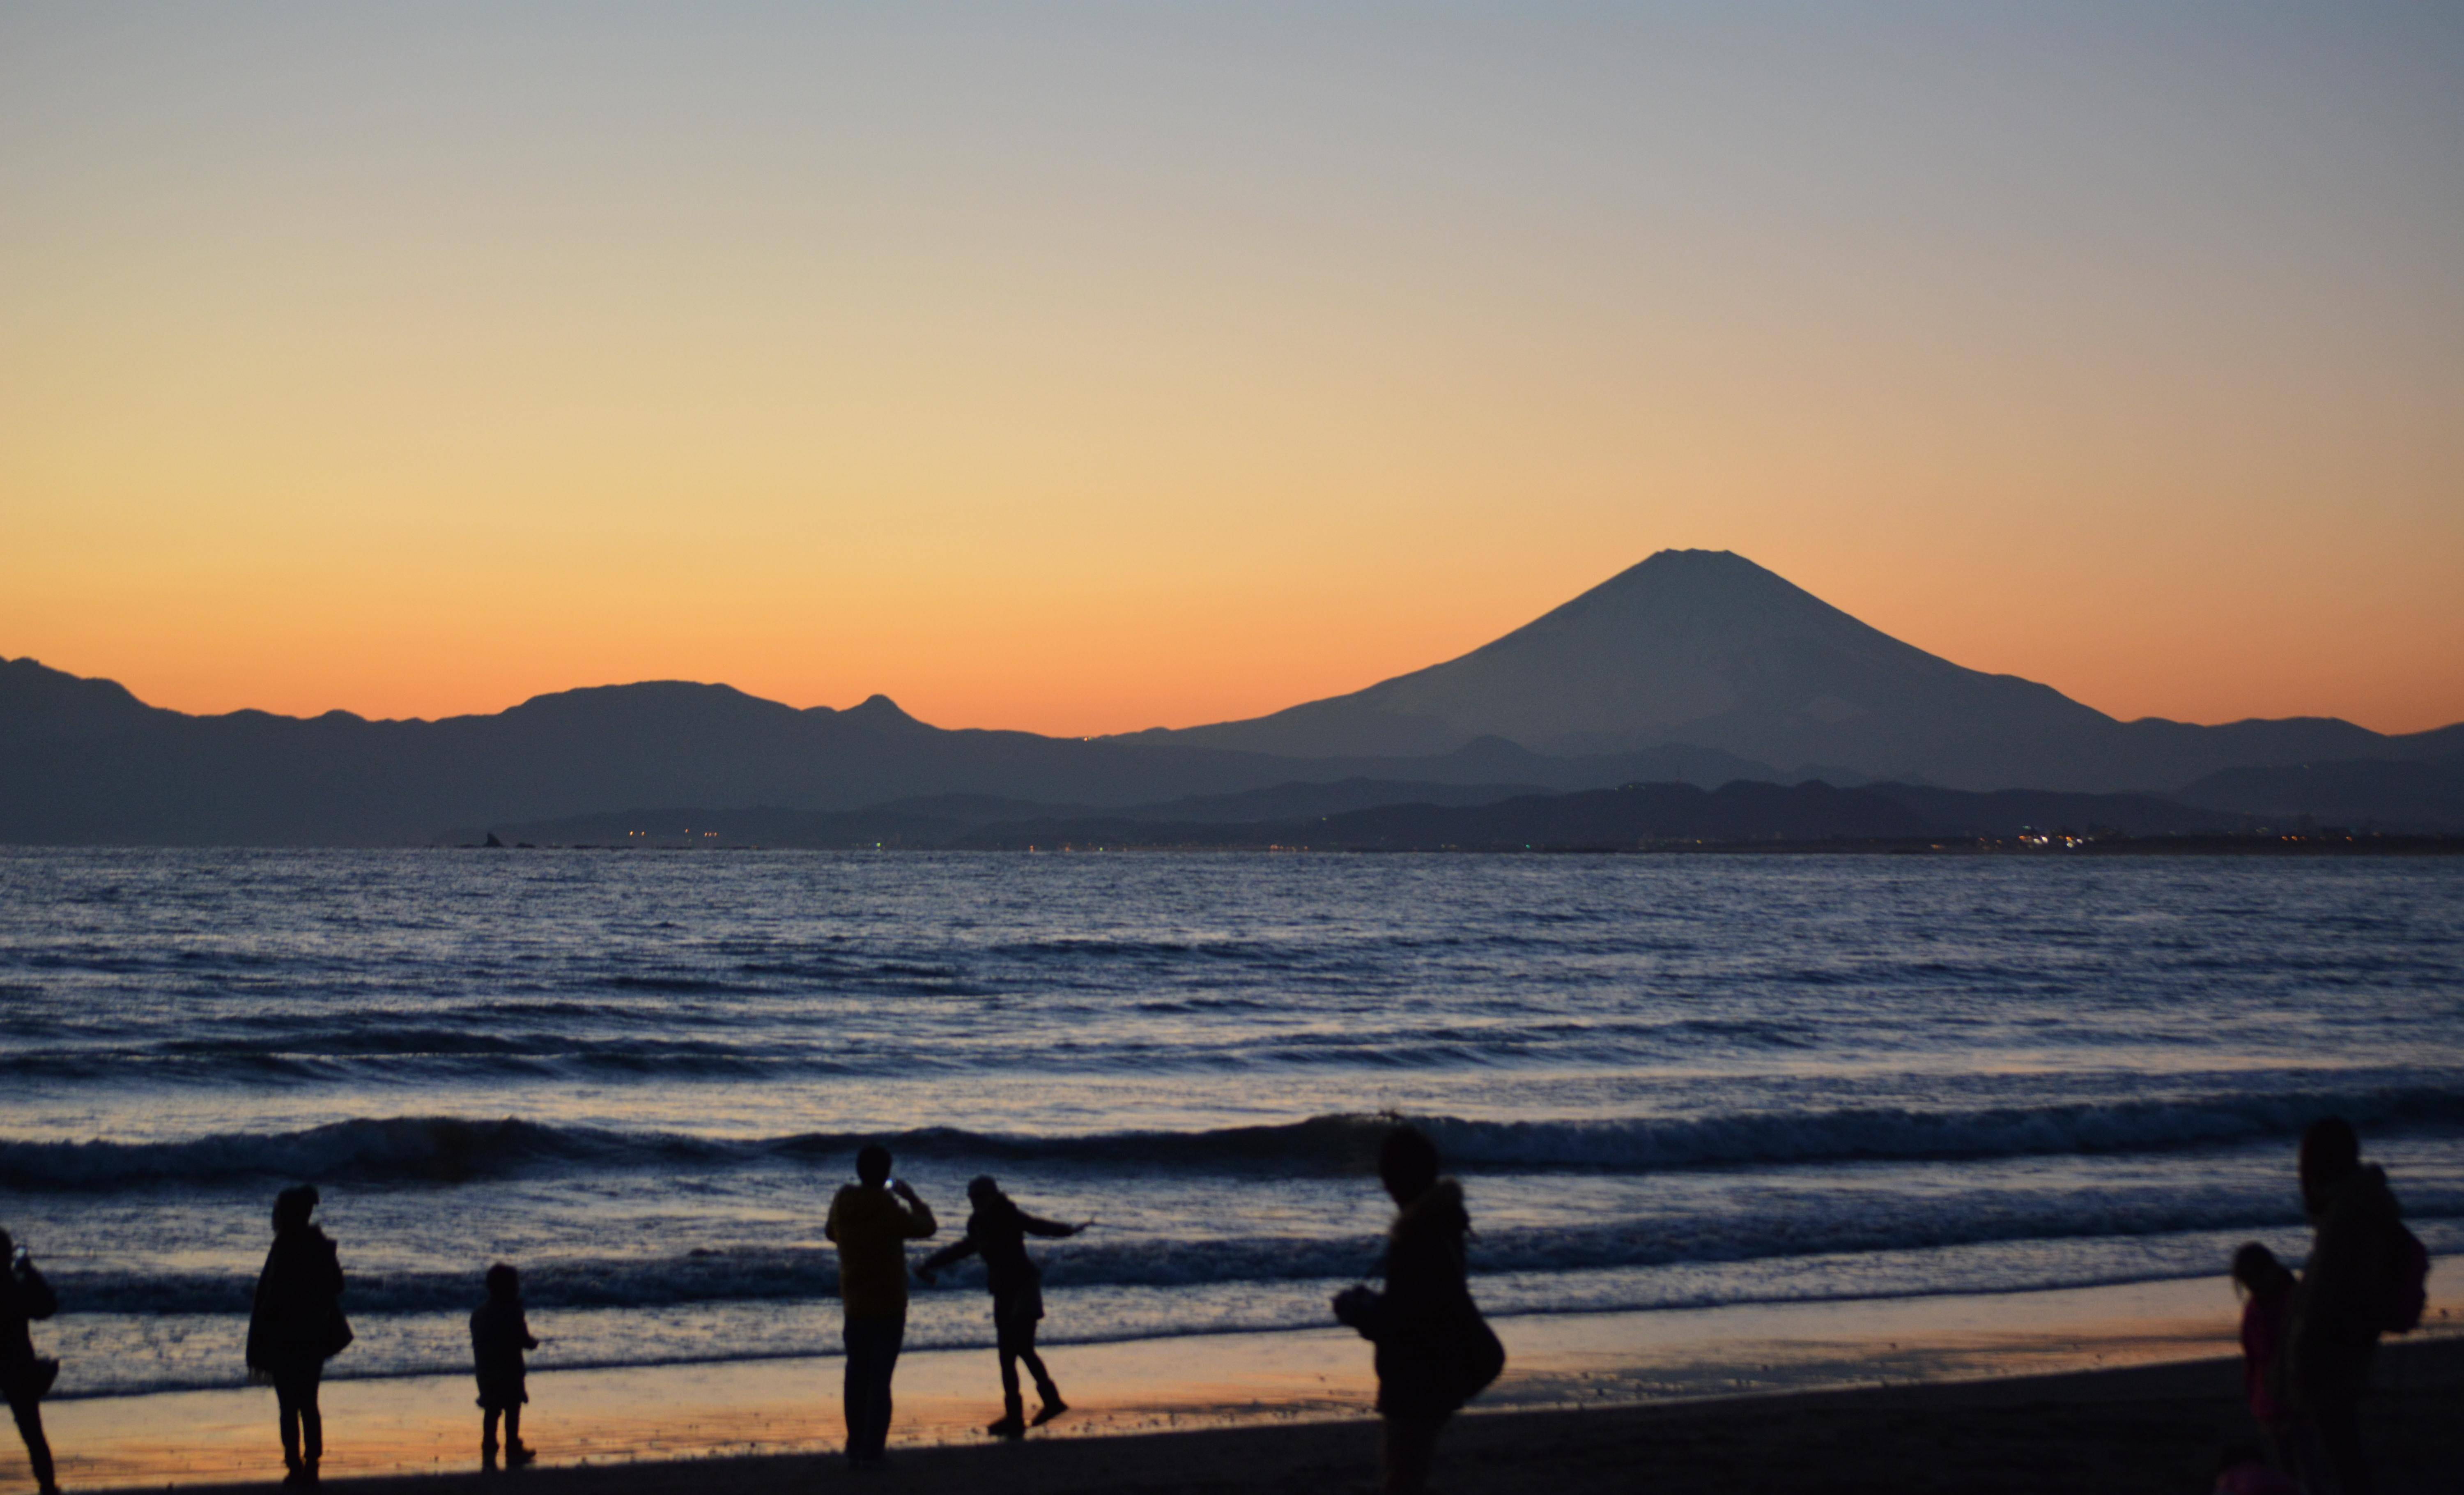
(872, 1220)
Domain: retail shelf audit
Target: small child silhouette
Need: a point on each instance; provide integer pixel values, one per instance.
(498, 1336)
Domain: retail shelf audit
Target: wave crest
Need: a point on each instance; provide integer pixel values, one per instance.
(452, 1149)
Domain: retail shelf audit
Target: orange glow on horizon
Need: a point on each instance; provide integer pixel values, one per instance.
(1084, 374)
(1085, 664)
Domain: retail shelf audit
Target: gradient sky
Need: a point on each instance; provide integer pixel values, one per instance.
(1087, 368)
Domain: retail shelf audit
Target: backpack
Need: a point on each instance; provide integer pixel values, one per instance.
(2407, 1288)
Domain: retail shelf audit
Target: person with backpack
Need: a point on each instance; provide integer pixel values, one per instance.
(1435, 1352)
(2367, 1276)
(23, 1375)
(296, 1327)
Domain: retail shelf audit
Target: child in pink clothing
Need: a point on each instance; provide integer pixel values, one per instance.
(2266, 1315)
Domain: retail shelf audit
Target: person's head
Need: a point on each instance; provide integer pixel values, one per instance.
(982, 1190)
(293, 1206)
(1407, 1163)
(872, 1165)
(2330, 1153)
(503, 1282)
(2256, 1271)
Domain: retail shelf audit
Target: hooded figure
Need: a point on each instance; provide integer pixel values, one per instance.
(1434, 1350)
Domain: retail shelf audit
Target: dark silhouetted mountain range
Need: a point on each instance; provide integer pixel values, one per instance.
(1693, 668)
(83, 761)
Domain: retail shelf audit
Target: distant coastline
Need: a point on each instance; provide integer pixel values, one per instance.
(1744, 816)
(2116, 846)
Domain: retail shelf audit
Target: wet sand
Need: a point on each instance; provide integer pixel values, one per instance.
(1898, 1393)
(2146, 1428)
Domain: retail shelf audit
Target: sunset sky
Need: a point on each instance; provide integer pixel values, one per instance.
(1085, 369)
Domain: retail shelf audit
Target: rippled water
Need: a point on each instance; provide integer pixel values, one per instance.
(1666, 1080)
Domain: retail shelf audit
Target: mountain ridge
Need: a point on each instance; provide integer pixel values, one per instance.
(1783, 688)
(83, 761)
(1707, 648)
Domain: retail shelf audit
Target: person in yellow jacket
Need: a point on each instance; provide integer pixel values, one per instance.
(872, 1220)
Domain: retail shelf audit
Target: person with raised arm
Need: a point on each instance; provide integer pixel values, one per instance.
(23, 1375)
(997, 1230)
(872, 1220)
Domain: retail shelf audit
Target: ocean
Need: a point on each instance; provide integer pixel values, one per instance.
(1665, 1080)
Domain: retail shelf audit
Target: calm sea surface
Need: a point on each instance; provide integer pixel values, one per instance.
(1665, 1080)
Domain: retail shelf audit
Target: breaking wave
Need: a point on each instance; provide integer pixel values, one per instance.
(448, 1149)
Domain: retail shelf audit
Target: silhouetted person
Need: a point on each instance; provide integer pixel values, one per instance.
(498, 1336)
(2340, 1305)
(2266, 1322)
(296, 1327)
(23, 1375)
(997, 1230)
(873, 1220)
(1434, 1350)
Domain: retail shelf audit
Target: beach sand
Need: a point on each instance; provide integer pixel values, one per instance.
(2100, 1388)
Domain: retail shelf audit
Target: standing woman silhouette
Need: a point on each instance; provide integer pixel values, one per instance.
(1435, 1352)
(296, 1327)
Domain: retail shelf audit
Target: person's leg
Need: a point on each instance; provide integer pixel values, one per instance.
(1012, 1422)
(311, 1421)
(513, 1424)
(1410, 1447)
(2339, 1422)
(29, 1413)
(487, 1433)
(2293, 1449)
(286, 1407)
(872, 1360)
(1013, 1406)
(895, 1335)
(854, 1382)
(1050, 1394)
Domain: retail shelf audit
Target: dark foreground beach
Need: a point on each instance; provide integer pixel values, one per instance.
(2145, 1428)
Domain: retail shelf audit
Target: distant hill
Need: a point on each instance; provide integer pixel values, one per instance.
(1705, 649)
(83, 761)
(2006, 812)
(2358, 793)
